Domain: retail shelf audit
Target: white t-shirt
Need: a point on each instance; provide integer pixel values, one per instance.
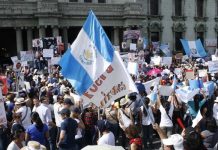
(58, 107)
(13, 146)
(215, 111)
(44, 113)
(27, 120)
(107, 139)
(149, 119)
(79, 130)
(165, 120)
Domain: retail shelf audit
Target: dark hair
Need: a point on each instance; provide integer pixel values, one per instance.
(211, 124)
(146, 101)
(193, 141)
(197, 99)
(132, 131)
(166, 105)
(35, 118)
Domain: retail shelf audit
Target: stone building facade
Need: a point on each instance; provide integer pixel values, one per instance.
(159, 20)
(23, 20)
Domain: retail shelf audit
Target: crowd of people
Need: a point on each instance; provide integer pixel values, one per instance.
(50, 115)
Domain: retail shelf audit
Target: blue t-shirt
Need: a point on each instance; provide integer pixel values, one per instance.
(36, 135)
(69, 125)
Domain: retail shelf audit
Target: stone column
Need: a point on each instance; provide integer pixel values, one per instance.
(55, 31)
(29, 38)
(116, 36)
(41, 32)
(65, 38)
(19, 40)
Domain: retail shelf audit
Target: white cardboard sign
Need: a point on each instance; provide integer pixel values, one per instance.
(48, 53)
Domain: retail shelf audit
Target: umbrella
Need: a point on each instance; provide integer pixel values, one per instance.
(154, 71)
(102, 147)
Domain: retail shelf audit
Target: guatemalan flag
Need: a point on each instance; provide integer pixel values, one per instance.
(88, 57)
(193, 48)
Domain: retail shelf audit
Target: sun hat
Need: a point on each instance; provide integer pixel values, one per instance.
(20, 100)
(33, 145)
(176, 140)
(123, 101)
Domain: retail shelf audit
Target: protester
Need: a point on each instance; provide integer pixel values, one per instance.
(107, 136)
(37, 131)
(18, 136)
(67, 131)
(135, 141)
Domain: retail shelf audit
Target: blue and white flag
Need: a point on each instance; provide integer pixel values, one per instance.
(165, 49)
(193, 48)
(94, 69)
(174, 83)
(88, 57)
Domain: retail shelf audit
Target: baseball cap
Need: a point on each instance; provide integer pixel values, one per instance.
(64, 111)
(176, 140)
(68, 101)
(76, 110)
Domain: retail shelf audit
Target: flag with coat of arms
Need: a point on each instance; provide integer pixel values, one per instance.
(93, 68)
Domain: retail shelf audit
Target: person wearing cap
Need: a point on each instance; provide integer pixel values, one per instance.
(68, 131)
(215, 110)
(18, 136)
(107, 136)
(25, 112)
(125, 118)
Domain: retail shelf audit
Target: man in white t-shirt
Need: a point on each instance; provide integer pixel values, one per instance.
(107, 136)
(24, 111)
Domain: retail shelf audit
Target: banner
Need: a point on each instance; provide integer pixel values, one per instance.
(131, 34)
(132, 47)
(3, 79)
(55, 60)
(133, 68)
(156, 60)
(3, 119)
(153, 82)
(26, 55)
(211, 42)
(167, 61)
(213, 66)
(114, 83)
(165, 90)
(190, 74)
(48, 53)
(14, 59)
(214, 57)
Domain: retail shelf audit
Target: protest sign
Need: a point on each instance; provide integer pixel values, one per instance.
(189, 74)
(55, 60)
(114, 83)
(133, 68)
(213, 66)
(211, 42)
(131, 34)
(48, 53)
(165, 90)
(24, 63)
(167, 61)
(197, 119)
(3, 119)
(202, 73)
(14, 59)
(132, 46)
(156, 60)
(151, 83)
(209, 88)
(3, 80)
(214, 58)
(26, 55)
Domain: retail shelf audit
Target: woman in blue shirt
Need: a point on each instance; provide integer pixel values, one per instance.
(37, 131)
